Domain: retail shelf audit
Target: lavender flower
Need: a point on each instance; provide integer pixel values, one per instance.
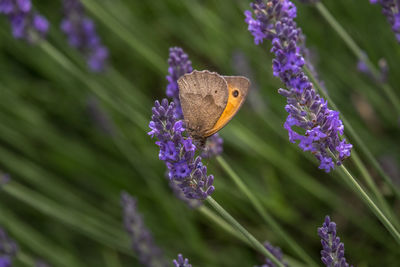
(142, 241)
(81, 33)
(41, 263)
(318, 129)
(179, 64)
(8, 249)
(213, 146)
(26, 23)
(99, 116)
(4, 178)
(276, 251)
(178, 152)
(309, 1)
(383, 68)
(332, 253)
(192, 203)
(391, 9)
(181, 262)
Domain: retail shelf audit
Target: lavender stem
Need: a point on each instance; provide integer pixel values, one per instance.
(368, 201)
(263, 213)
(358, 53)
(235, 224)
(356, 138)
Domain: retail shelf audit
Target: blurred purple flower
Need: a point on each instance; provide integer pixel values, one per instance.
(178, 152)
(4, 178)
(332, 253)
(26, 23)
(276, 251)
(100, 116)
(181, 262)
(82, 35)
(179, 64)
(309, 1)
(8, 249)
(391, 9)
(321, 127)
(41, 263)
(383, 67)
(214, 146)
(142, 241)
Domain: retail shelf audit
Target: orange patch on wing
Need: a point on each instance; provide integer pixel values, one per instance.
(230, 110)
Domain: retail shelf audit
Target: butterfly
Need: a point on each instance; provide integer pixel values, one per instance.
(209, 101)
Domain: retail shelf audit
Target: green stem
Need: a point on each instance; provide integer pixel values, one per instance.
(356, 138)
(223, 224)
(378, 213)
(358, 52)
(267, 218)
(235, 224)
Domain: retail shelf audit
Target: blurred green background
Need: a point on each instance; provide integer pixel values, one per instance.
(62, 204)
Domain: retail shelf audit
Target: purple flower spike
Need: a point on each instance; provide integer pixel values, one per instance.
(276, 251)
(181, 262)
(82, 35)
(317, 128)
(178, 153)
(214, 146)
(332, 253)
(26, 23)
(179, 64)
(391, 9)
(8, 249)
(142, 241)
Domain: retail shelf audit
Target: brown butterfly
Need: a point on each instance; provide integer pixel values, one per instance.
(209, 101)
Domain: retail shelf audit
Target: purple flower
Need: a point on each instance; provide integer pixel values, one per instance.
(317, 128)
(276, 251)
(41, 263)
(100, 116)
(8, 249)
(5, 261)
(4, 178)
(332, 253)
(26, 23)
(82, 35)
(142, 241)
(179, 64)
(178, 152)
(383, 68)
(391, 9)
(181, 262)
(214, 146)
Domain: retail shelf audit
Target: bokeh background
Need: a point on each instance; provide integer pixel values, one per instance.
(69, 164)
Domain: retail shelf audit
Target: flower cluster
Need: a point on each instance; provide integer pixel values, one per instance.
(178, 152)
(332, 253)
(192, 203)
(310, 121)
(81, 33)
(26, 23)
(8, 249)
(276, 251)
(181, 262)
(142, 240)
(179, 64)
(391, 9)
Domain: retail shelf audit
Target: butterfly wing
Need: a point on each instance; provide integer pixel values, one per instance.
(238, 87)
(203, 96)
